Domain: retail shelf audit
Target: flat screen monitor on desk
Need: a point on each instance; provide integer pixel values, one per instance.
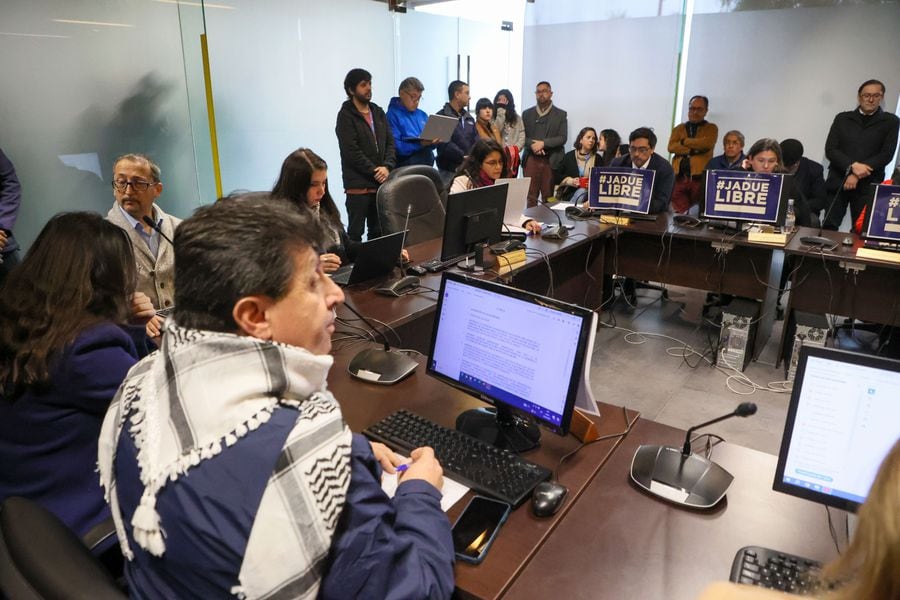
(473, 216)
(621, 189)
(518, 351)
(747, 197)
(883, 216)
(843, 419)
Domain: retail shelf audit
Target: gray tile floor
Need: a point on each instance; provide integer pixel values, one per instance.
(648, 372)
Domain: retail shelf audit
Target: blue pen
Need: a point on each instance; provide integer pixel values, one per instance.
(401, 468)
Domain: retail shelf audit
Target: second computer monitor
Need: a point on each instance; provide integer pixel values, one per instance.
(843, 419)
(473, 216)
(746, 196)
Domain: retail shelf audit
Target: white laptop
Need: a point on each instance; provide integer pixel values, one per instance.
(516, 201)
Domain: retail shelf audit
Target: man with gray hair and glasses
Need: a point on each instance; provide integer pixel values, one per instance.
(407, 121)
(136, 186)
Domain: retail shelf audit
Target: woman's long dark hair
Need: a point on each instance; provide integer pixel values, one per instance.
(471, 167)
(612, 145)
(511, 115)
(295, 180)
(79, 272)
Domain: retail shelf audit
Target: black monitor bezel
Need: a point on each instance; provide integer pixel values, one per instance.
(806, 352)
(461, 204)
(780, 213)
(867, 219)
(575, 377)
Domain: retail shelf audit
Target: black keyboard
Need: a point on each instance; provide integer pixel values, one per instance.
(775, 570)
(485, 468)
(435, 265)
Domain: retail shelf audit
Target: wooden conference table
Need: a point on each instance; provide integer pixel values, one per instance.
(838, 282)
(700, 258)
(577, 274)
(609, 539)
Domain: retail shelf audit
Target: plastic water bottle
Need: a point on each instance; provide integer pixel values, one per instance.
(790, 219)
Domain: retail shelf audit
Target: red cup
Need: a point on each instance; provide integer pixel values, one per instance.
(583, 182)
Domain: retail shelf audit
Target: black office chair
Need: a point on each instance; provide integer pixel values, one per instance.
(417, 192)
(40, 558)
(429, 172)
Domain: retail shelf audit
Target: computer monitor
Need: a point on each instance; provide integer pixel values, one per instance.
(521, 352)
(621, 189)
(746, 196)
(473, 216)
(843, 419)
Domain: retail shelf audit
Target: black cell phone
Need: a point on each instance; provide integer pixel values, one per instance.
(477, 526)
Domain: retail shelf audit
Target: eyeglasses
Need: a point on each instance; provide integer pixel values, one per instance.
(138, 185)
(412, 97)
(493, 163)
(871, 96)
(639, 149)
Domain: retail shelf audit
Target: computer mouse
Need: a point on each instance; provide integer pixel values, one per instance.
(547, 497)
(847, 241)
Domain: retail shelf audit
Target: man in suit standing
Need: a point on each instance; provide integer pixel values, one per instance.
(546, 131)
(641, 155)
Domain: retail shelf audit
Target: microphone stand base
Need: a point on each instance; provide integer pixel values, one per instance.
(384, 367)
(691, 481)
(819, 241)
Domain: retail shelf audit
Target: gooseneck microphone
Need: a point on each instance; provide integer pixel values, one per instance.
(157, 228)
(554, 232)
(818, 240)
(383, 366)
(744, 409)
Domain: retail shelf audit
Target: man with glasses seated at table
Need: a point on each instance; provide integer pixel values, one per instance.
(136, 186)
(641, 155)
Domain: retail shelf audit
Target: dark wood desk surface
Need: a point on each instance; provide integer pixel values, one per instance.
(523, 534)
(666, 252)
(838, 282)
(619, 542)
(577, 265)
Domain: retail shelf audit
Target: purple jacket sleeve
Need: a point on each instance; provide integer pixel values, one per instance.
(10, 193)
(388, 548)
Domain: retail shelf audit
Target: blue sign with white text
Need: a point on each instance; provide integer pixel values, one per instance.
(743, 196)
(884, 222)
(621, 188)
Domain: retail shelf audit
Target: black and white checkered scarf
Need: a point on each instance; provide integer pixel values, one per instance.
(202, 392)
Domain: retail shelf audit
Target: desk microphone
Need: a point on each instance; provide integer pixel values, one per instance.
(554, 232)
(679, 476)
(383, 366)
(158, 229)
(818, 240)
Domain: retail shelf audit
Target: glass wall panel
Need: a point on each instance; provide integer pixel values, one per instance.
(84, 82)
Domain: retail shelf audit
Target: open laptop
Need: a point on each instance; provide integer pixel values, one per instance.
(516, 201)
(438, 127)
(376, 258)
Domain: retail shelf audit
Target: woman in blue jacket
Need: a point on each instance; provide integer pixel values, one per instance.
(71, 326)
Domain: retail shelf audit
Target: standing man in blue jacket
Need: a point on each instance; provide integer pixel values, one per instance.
(367, 153)
(407, 121)
(10, 198)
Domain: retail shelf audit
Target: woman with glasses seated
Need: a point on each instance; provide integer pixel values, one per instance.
(304, 183)
(71, 326)
(764, 156)
(486, 163)
(576, 167)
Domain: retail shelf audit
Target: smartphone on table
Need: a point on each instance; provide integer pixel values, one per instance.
(477, 526)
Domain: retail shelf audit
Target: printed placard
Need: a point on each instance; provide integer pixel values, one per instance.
(621, 188)
(743, 196)
(884, 222)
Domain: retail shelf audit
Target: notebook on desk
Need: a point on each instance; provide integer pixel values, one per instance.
(376, 258)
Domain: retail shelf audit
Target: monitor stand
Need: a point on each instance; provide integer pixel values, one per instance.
(500, 427)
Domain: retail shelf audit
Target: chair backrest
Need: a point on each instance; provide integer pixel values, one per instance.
(42, 558)
(429, 172)
(426, 217)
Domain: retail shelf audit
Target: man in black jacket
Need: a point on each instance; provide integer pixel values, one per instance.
(451, 154)
(641, 144)
(546, 131)
(809, 176)
(367, 153)
(859, 145)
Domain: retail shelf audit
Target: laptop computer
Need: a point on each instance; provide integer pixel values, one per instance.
(516, 202)
(437, 127)
(376, 258)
